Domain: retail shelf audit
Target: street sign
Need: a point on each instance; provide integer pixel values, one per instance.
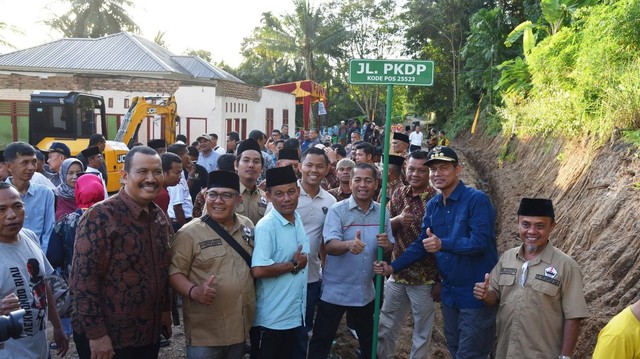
(391, 72)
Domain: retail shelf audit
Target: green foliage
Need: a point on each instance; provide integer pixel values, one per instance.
(584, 79)
(94, 18)
(203, 54)
(632, 137)
(515, 78)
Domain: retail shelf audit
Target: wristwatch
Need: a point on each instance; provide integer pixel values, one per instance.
(295, 266)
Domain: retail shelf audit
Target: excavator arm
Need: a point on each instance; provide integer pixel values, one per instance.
(142, 107)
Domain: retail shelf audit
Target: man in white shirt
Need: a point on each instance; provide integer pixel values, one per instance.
(180, 204)
(415, 138)
(214, 144)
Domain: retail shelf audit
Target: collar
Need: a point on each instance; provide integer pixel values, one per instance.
(545, 256)
(243, 188)
(133, 206)
(321, 192)
(456, 194)
(283, 221)
(30, 189)
(353, 204)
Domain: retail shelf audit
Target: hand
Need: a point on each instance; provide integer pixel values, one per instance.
(61, 340)
(191, 169)
(101, 348)
(205, 293)
(300, 258)
(480, 289)
(432, 243)
(165, 322)
(332, 154)
(356, 246)
(407, 217)
(9, 304)
(436, 291)
(383, 268)
(270, 145)
(382, 240)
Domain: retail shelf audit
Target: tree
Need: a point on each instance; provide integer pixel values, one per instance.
(4, 27)
(94, 18)
(159, 39)
(203, 54)
(437, 30)
(374, 32)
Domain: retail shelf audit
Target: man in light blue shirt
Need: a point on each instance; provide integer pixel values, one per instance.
(279, 264)
(39, 201)
(208, 158)
(351, 239)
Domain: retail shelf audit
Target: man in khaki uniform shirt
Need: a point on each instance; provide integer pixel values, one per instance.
(539, 289)
(215, 281)
(249, 163)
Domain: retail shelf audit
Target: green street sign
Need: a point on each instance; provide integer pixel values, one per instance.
(391, 72)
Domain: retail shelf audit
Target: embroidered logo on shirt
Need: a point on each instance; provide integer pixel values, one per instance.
(210, 243)
(550, 272)
(548, 280)
(510, 271)
(325, 210)
(263, 201)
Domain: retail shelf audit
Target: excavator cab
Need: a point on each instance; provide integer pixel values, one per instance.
(65, 115)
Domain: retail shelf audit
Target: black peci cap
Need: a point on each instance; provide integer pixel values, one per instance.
(224, 179)
(536, 207)
(281, 175)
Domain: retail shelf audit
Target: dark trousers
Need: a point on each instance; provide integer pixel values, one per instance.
(144, 352)
(414, 148)
(326, 326)
(272, 344)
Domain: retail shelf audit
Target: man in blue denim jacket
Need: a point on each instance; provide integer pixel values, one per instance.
(458, 227)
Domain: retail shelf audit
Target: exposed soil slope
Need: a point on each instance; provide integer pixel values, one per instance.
(597, 202)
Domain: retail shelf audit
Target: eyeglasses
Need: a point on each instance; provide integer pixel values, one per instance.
(523, 275)
(225, 196)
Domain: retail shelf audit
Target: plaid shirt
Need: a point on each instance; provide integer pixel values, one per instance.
(424, 271)
(339, 194)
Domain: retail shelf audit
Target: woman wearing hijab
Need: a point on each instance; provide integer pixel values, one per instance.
(65, 192)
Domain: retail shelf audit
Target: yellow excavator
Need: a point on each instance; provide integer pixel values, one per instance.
(72, 117)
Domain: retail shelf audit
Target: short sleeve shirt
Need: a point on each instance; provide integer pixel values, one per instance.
(531, 317)
(281, 302)
(254, 203)
(197, 253)
(348, 278)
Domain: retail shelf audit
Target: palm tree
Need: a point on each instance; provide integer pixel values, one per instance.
(95, 18)
(306, 34)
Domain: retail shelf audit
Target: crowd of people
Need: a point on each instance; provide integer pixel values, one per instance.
(267, 243)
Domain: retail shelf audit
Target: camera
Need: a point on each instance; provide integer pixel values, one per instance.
(11, 325)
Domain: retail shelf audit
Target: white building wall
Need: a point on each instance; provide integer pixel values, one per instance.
(278, 101)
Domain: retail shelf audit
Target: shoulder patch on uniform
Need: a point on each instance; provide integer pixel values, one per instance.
(325, 210)
(548, 280)
(510, 271)
(210, 243)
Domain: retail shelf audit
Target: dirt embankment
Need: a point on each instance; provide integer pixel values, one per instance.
(596, 196)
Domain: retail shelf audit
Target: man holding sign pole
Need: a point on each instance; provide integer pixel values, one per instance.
(351, 239)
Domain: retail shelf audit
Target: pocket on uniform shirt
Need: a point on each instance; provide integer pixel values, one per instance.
(545, 287)
(215, 249)
(506, 280)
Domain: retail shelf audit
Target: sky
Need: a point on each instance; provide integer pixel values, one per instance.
(217, 26)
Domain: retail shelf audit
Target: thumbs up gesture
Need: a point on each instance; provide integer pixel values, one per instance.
(407, 217)
(300, 257)
(432, 243)
(480, 289)
(205, 293)
(356, 246)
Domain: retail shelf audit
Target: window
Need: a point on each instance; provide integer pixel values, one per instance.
(285, 117)
(110, 102)
(126, 103)
(244, 128)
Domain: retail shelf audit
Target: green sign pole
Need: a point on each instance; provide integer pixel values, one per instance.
(383, 204)
(387, 72)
